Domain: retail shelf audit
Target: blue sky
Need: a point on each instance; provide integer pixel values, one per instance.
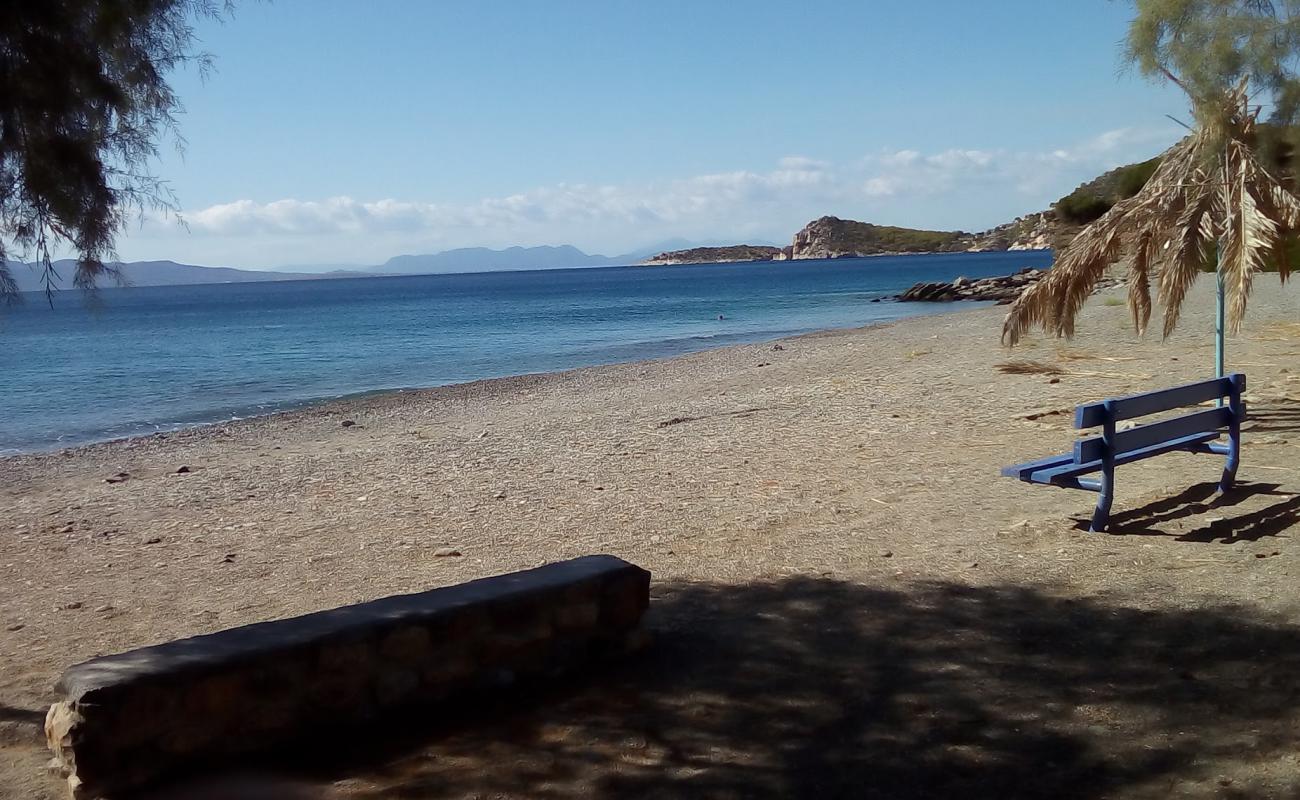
(334, 132)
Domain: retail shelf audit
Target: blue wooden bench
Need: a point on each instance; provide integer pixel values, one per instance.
(1196, 432)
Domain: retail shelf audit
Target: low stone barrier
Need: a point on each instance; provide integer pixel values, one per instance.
(132, 719)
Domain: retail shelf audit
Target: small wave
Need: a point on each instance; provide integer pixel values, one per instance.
(736, 336)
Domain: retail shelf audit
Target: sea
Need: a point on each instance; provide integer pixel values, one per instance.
(138, 360)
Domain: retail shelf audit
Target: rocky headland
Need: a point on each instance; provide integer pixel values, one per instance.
(832, 237)
(714, 255)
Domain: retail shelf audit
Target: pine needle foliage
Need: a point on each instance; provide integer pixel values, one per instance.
(1211, 190)
(84, 100)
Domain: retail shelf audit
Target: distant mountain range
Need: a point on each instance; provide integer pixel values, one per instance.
(481, 259)
(470, 259)
(30, 277)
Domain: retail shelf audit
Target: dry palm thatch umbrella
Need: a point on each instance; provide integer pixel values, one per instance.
(1210, 189)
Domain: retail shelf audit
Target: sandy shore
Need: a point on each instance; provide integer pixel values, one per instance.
(862, 460)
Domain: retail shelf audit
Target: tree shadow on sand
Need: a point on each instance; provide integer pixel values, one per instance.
(24, 716)
(820, 688)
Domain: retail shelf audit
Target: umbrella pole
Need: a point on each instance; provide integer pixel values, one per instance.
(1218, 327)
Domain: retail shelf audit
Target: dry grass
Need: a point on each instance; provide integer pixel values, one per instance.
(1027, 367)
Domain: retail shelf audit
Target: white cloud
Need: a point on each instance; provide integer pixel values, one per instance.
(563, 204)
(1044, 174)
(802, 163)
(964, 188)
(880, 187)
(961, 159)
(901, 158)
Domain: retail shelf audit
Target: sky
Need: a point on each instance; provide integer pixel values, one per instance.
(333, 132)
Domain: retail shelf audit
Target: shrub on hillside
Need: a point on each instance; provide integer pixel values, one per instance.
(1081, 207)
(1133, 177)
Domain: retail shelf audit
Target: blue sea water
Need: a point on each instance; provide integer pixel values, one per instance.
(145, 359)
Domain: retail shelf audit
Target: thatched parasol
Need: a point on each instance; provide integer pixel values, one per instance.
(1209, 203)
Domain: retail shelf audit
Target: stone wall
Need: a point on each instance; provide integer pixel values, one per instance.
(131, 719)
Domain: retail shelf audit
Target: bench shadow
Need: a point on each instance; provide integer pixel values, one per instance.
(1273, 416)
(1202, 501)
(824, 689)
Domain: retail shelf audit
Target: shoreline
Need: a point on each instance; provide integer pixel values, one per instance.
(324, 405)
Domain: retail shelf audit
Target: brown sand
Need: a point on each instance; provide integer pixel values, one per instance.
(849, 600)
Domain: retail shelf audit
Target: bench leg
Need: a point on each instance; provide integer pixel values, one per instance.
(1101, 517)
(1229, 476)
(1105, 497)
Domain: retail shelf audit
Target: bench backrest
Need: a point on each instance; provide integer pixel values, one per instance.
(1092, 415)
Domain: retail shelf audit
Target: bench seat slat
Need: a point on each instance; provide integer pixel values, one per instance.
(1075, 482)
(1091, 415)
(1022, 471)
(1211, 419)
(1063, 475)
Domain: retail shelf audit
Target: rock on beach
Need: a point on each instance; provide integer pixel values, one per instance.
(1004, 289)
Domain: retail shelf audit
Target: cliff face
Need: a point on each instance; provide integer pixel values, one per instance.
(1042, 231)
(714, 255)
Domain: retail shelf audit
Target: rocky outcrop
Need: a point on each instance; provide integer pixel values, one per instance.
(714, 255)
(1042, 231)
(1004, 289)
